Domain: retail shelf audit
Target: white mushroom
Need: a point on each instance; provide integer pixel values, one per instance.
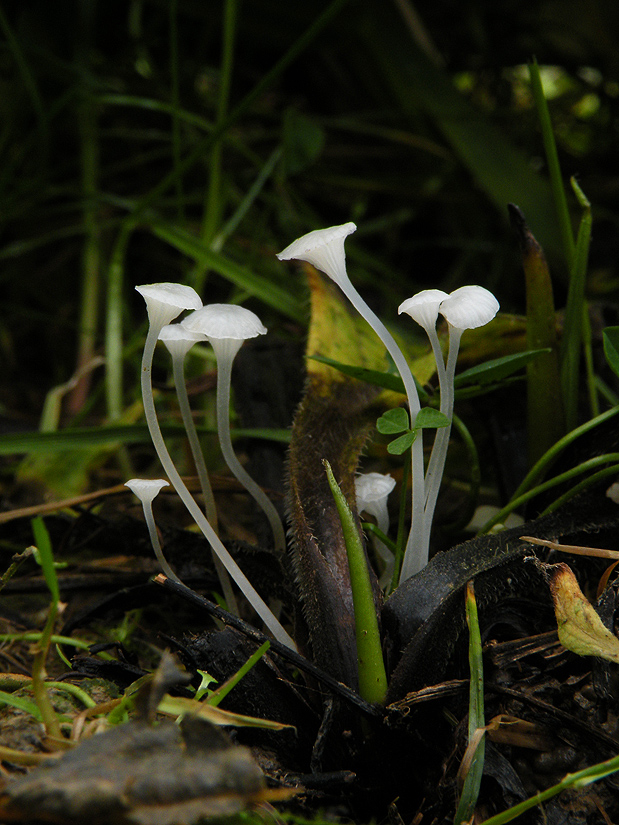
(147, 490)
(465, 308)
(372, 491)
(226, 326)
(324, 249)
(158, 318)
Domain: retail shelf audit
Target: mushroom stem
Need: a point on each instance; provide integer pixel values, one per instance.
(146, 492)
(436, 465)
(178, 369)
(415, 536)
(224, 375)
(209, 533)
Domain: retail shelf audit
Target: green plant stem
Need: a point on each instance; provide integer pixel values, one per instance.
(175, 98)
(217, 696)
(580, 779)
(91, 252)
(550, 455)
(582, 485)
(552, 482)
(211, 536)
(372, 676)
(113, 323)
(401, 535)
(213, 205)
(552, 158)
(574, 310)
(472, 780)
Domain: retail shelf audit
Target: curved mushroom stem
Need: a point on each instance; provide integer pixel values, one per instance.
(225, 350)
(436, 465)
(198, 516)
(178, 369)
(149, 518)
(414, 547)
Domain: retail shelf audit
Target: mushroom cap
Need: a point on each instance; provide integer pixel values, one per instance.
(424, 307)
(469, 307)
(172, 295)
(372, 487)
(224, 321)
(146, 489)
(323, 249)
(179, 332)
(613, 492)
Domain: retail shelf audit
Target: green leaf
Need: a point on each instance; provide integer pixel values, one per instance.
(393, 421)
(45, 556)
(403, 443)
(611, 347)
(497, 368)
(386, 380)
(428, 418)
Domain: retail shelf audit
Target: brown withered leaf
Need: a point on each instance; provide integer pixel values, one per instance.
(580, 628)
(138, 774)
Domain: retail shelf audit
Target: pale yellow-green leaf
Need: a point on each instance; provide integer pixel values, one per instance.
(580, 628)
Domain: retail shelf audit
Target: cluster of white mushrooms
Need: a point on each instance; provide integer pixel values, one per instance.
(225, 327)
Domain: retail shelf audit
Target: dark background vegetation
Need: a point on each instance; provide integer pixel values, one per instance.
(420, 135)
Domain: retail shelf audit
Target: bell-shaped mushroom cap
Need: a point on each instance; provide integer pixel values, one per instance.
(372, 491)
(469, 307)
(323, 249)
(178, 332)
(178, 339)
(224, 321)
(424, 307)
(165, 301)
(146, 489)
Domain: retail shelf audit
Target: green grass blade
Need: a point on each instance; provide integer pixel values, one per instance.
(476, 742)
(372, 676)
(576, 306)
(552, 158)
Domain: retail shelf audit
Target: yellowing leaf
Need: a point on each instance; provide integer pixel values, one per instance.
(580, 628)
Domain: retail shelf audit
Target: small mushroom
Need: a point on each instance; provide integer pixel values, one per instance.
(324, 249)
(159, 317)
(147, 490)
(465, 308)
(372, 491)
(226, 326)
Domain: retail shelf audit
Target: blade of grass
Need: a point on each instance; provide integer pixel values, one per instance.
(473, 760)
(39, 674)
(220, 694)
(575, 308)
(213, 207)
(544, 410)
(372, 676)
(580, 779)
(552, 158)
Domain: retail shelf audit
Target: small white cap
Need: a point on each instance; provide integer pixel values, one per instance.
(613, 492)
(323, 249)
(469, 307)
(424, 307)
(224, 321)
(146, 489)
(372, 491)
(165, 301)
